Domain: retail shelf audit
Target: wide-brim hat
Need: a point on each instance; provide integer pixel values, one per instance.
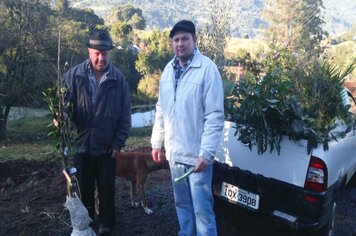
(100, 41)
(183, 25)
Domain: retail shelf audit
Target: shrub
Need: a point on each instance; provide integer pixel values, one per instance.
(147, 88)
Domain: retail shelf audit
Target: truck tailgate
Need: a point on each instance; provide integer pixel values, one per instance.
(289, 166)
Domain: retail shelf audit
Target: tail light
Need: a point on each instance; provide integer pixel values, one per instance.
(317, 175)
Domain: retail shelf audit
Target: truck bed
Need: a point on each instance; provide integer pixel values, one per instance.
(290, 166)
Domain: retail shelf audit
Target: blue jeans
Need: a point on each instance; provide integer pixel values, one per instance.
(194, 201)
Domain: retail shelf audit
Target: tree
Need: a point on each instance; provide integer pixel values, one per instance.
(87, 16)
(151, 62)
(213, 37)
(25, 63)
(61, 6)
(121, 34)
(125, 59)
(125, 55)
(128, 14)
(296, 25)
(156, 53)
(147, 88)
(73, 47)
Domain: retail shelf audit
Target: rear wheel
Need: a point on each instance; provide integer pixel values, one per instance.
(352, 181)
(329, 228)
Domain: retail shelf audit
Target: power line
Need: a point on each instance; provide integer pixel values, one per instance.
(309, 17)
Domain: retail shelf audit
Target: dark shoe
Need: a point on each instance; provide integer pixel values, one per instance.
(104, 230)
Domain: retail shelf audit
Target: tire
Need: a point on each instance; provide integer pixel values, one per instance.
(352, 181)
(328, 229)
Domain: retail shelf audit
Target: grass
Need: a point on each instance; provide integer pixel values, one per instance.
(27, 138)
(139, 137)
(251, 45)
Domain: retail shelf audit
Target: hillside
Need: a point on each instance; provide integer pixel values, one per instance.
(339, 15)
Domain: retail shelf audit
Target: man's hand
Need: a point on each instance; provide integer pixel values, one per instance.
(157, 155)
(201, 164)
(56, 121)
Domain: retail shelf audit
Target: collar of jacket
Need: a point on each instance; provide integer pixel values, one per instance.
(196, 62)
(83, 70)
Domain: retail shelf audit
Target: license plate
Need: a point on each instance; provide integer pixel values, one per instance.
(239, 195)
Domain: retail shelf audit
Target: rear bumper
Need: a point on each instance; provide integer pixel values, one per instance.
(290, 204)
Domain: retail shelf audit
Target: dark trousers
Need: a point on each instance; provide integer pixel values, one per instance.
(102, 170)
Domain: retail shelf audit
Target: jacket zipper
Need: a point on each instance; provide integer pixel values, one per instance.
(175, 85)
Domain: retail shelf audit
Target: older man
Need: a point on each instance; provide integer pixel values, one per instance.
(100, 98)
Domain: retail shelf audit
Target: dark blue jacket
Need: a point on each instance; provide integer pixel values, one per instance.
(105, 127)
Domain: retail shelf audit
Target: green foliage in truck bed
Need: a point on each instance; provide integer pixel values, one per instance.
(302, 102)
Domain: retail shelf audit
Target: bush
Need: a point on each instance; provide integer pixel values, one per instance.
(147, 88)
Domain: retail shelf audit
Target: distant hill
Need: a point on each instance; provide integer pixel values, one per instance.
(339, 14)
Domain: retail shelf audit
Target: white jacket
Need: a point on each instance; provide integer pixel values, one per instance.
(189, 120)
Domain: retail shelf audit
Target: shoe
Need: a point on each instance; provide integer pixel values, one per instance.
(104, 230)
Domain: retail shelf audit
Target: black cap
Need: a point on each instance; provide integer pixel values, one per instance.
(184, 25)
(100, 40)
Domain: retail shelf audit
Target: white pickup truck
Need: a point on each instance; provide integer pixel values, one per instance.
(297, 188)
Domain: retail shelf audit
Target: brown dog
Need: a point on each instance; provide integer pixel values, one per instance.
(135, 167)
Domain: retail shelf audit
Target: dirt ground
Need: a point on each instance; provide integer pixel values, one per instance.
(32, 194)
